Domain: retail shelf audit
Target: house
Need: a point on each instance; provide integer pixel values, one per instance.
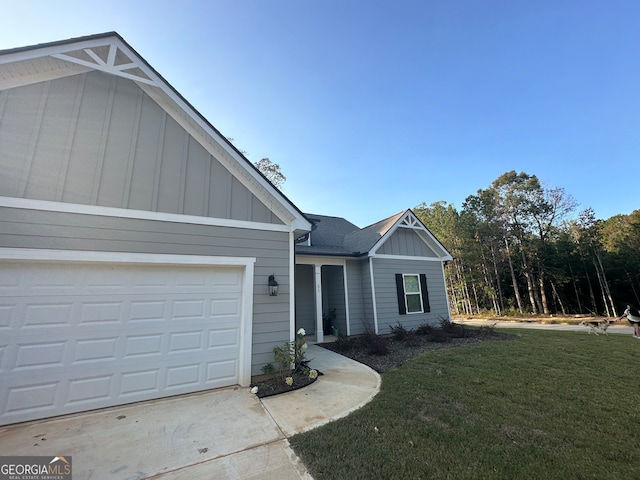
(137, 244)
(352, 281)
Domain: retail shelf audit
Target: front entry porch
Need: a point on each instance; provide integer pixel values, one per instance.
(321, 298)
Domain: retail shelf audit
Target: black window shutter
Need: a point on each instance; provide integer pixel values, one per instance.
(425, 293)
(402, 308)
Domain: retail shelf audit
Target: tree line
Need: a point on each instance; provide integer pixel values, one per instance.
(519, 248)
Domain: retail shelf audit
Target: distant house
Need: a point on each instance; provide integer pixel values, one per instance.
(351, 280)
(137, 244)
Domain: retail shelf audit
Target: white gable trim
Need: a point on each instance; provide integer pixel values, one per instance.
(121, 60)
(406, 257)
(45, 205)
(410, 221)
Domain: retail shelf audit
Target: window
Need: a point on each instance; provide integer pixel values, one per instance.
(413, 296)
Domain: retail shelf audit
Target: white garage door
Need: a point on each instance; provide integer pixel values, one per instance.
(76, 337)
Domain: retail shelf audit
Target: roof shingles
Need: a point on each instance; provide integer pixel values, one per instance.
(339, 237)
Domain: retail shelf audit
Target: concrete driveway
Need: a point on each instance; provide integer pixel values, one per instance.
(227, 433)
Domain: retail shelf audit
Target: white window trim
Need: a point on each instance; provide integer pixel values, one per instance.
(419, 292)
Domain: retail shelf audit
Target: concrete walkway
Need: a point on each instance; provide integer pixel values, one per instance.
(222, 434)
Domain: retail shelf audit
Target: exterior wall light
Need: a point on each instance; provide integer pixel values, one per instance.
(273, 286)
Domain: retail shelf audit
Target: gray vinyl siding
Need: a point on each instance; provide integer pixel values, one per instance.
(22, 228)
(97, 139)
(406, 241)
(357, 316)
(333, 285)
(361, 314)
(305, 299)
(386, 296)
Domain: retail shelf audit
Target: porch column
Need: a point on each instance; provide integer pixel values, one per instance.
(318, 281)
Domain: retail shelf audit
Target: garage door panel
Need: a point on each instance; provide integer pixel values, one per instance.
(95, 350)
(49, 313)
(189, 341)
(219, 339)
(83, 390)
(104, 312)
(39, 355)
(189, 308)
(140, 381)
(219, 372)
(181, 376)
(6, 313)
(33, 398)
(109, 335)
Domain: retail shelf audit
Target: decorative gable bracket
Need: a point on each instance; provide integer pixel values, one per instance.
(108, 58)
(410, 221)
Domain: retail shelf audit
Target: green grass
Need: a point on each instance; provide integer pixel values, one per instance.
(546, 405)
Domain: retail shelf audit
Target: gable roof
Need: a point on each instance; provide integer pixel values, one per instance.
(363, 240)
(110, 53)
(328, 236)
(335, 236)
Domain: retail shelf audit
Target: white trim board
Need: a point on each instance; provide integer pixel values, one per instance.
(373, 296)
(311, 260)
(29, 204)
(38, 254)
(407, 257)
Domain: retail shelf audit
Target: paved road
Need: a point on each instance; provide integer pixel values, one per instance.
(619, 329)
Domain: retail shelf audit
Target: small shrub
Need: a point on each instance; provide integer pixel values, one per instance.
(268, 368)
(424, 329)
(446, 325)
(399, 332)
(452, 329)
(291, 355)
(438, 335)
(375, 344)
(488, 329)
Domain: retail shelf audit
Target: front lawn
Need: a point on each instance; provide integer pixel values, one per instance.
(547, 405)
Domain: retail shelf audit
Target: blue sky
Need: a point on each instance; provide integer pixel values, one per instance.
(372, 107)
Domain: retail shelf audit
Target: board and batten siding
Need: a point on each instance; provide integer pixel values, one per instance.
(25, 228)
(98, 139)
(387, 299)
(406, 242)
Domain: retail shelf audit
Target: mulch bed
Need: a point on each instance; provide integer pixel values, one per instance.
(277, 385)
(386, 352)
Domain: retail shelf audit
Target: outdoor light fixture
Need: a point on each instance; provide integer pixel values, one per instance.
(273, 286)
